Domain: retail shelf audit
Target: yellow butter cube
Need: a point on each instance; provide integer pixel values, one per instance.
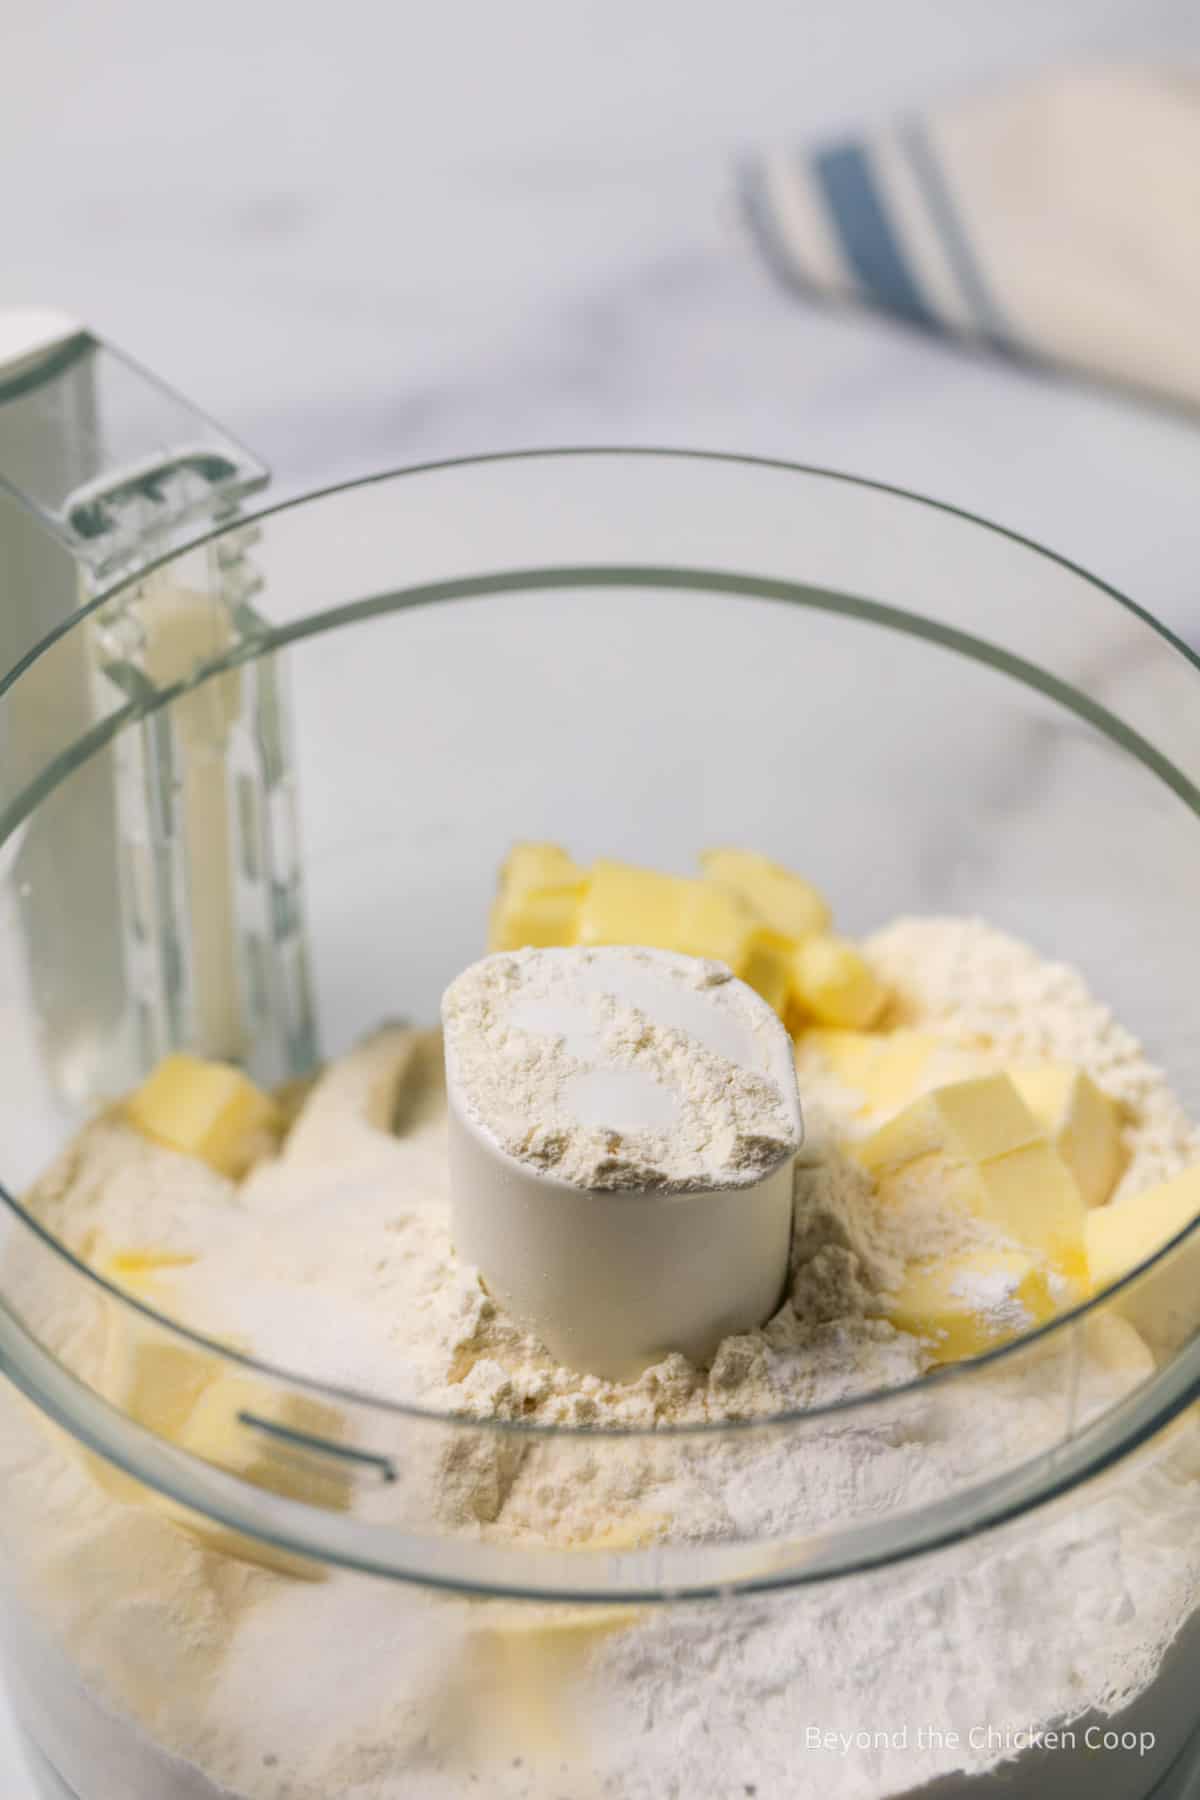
(634, 1532)
(767, 967)
(192, 1398)
(628, 905)
(1082, 1123)
(785, 903)
(154, 1378)
(1121, 1236)
(1027, 1197)
(885, 1069)
(537, 899)
(534, 865)
(1031, 1196)
(535, 920)
(833, 983)
(223, 1428)
(972, 1301)
(970, 1121)
(136, 1269)
(525, 1668)
(208, 1110)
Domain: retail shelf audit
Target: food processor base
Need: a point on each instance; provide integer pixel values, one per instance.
(1182, 1780)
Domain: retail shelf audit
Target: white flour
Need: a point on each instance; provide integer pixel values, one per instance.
(730, 1124)
(335, 1260)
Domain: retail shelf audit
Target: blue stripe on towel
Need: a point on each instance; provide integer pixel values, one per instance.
(869, 244)
(947, 219)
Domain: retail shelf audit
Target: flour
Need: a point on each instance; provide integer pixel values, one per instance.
(729, 1123)
(335, 1260)
(993, 1294)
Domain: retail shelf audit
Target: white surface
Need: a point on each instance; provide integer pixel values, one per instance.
(364, 235)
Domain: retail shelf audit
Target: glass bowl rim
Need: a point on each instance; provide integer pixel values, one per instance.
(951, 1373)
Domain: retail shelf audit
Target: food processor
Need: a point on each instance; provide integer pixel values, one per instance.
(259, 766)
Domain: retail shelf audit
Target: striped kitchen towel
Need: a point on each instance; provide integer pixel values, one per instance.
(1058, 222)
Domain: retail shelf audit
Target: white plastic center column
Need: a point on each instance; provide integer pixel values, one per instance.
(623, 1124)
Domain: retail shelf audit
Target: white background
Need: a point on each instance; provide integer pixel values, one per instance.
(367, 234)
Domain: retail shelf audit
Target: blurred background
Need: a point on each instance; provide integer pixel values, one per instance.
(368, 234)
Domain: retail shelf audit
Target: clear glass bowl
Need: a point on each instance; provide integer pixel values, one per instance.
(635, 653)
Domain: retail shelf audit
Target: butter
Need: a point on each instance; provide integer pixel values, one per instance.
(525, 1669)
(1031, 1196)
(217, 1431)
(833, 983)
(537, 865)
(135, 1269)
(628, 905)
(526, 1664)
(185, 1394)
(785, 903)
(970, 1121)
(767, 967)
(1082, 1123)
(885, 1069)
(1027, 1196)
(208, 1110)
(971, 1302)
(537, 901)
(975, 1146)
(1123, 1235)
(634, 1532)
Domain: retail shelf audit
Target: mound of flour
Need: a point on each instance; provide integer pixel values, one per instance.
(335, 1260)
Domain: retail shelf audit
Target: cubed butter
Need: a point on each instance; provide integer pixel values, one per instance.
(1027, 1197)
(537, 899)
(883, 1068)
(219, 1429)
(886, 1069)
(525, 1669)
(192, 1398)
(634, 1532)
(972, 1301)
(1082, 1123)
(208, 1110)
(785, 902)
(536, 920)
(969, 1121)
(628, 905)
(1031, 1196)
(1165, 1304)
(833, 983)
(1123, 1235)
(536, 865)
(767, 967)
(154, 1378)
(137, 1268)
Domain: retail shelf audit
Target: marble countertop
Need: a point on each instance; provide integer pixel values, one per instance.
(364, 236)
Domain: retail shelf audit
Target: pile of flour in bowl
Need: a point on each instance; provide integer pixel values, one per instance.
(334, 1259)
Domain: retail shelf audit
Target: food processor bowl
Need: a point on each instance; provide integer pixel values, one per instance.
(256, 786)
